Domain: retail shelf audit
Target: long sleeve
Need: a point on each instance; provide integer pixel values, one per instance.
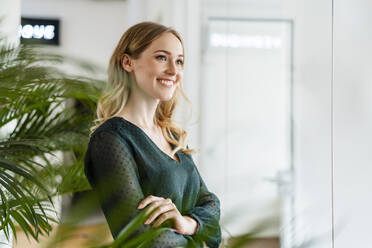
(113, 175)
(207, 214)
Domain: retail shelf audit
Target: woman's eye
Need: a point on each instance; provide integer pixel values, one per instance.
(180, 61)
(161, 57)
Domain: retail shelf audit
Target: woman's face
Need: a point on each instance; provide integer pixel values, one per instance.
(159, 68)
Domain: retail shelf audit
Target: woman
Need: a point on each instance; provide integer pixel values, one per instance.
(137, 156)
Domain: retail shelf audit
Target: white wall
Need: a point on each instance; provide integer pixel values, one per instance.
(353, 123)
(312, 117)
(10, 12)
(90, 30)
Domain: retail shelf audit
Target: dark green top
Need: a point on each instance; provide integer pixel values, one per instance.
(124, 166)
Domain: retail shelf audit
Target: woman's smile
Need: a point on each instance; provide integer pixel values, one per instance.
(166, 83)
(159, 68)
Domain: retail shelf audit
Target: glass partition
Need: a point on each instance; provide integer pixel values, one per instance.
(247, 110)
(266, 119)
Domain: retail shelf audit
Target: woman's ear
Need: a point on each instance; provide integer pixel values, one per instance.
(127, 62)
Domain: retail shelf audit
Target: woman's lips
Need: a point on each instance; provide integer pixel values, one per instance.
(167, 83)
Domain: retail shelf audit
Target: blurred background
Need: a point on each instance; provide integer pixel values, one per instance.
(282, 103)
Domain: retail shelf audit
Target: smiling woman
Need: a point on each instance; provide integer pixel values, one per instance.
(159, 66)
(138, 159)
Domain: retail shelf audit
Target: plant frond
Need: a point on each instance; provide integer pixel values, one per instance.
(37, 96)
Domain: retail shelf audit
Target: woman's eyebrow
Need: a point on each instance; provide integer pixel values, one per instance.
(167, 52)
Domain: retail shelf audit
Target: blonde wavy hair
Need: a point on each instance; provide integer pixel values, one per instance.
(113, 100)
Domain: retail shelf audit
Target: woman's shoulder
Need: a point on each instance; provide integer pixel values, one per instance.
(114, 127)
(105, 126)
(111, 133)
(106, 142)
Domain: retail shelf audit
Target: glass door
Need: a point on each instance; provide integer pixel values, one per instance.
(246, 122)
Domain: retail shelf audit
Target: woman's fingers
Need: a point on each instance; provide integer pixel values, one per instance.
(160, 210)
(165, 216)
(155, 204)
(148, 200)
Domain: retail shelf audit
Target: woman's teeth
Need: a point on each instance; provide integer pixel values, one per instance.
(166, 82)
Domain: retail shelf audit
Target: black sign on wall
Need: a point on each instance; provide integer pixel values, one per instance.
(39, 31)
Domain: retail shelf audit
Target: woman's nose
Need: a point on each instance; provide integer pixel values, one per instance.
(172, 69)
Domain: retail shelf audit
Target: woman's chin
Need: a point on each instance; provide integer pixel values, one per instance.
(166, 97)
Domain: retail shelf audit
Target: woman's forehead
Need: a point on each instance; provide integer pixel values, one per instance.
(166, 42)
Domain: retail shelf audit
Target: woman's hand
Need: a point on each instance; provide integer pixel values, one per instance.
(164, 209)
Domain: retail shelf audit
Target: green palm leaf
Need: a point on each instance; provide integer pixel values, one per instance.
(36, 95)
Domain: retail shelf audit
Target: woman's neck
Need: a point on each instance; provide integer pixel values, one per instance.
(141, 113)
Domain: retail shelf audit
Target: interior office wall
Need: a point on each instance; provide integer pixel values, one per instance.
(352, 123)
(89, 29)
(9, 13)
(312, 123)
